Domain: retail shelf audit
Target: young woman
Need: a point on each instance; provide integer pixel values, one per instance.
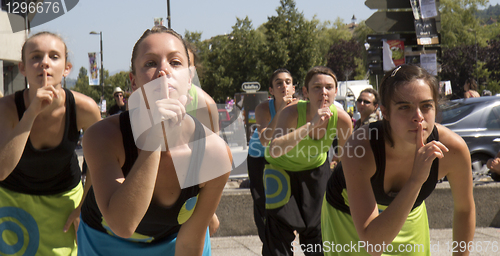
(376, 197)
(470, 89)
(298, 170)
(40, 189)
(282, 88)
(136, 205)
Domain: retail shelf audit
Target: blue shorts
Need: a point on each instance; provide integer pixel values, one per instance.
(93, 242)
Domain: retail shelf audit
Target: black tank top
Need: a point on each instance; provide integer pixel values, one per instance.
(337, 183)
(47, 171)
(159, 222)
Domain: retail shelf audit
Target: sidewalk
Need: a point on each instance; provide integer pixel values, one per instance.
(486, 240)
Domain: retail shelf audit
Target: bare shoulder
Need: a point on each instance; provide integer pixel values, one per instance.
(450, 139)
(343, 116)
(8, 109)
(457, 159)
(205, 95)
(84, 102)
(358, 155)
(290, 111)
(214, 144)
(106, 130)
(262, 108)
(218, 156)
(87, 111)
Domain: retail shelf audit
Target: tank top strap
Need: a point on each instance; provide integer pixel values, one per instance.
(377, 144)
(272, 109)
(19, 100)
(71, 131)
(131, 153)
(302, 113)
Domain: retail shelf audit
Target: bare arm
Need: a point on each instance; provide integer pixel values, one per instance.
(13, 137)
(114, 194)
(460, 179)
(191, 237)
(87, 113)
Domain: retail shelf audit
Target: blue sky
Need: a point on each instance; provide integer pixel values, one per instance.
(122, 22)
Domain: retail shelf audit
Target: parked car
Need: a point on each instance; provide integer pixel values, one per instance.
(477, 121)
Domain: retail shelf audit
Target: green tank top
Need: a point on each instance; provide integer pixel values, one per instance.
(192, 106)
(309, 153)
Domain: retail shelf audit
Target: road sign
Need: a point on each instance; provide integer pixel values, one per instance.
(250, 86)
(387, 4)
(388, 21)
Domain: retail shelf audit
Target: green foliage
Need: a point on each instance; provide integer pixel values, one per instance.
(82, 86)
(490, 12)
(459, 24)
(292, 41)
(110, 83)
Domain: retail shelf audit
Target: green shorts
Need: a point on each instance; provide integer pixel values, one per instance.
(33, 224)
(340, 237)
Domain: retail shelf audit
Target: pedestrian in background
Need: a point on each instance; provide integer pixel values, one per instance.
(376, 195)
(295, 178)
(470, 89)
(40, 187)
(282, 89)
(367, 105)
(119, 105)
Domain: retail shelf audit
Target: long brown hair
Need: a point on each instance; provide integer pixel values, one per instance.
(398, 77)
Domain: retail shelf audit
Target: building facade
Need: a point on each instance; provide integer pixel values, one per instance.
(11, 79)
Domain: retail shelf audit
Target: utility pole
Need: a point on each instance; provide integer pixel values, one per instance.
(168, 13)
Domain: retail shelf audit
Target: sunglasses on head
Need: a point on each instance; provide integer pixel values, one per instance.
(363, 101)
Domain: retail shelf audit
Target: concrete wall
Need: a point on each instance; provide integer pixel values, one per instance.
(10, 53)
(235, 209)
(11, 43)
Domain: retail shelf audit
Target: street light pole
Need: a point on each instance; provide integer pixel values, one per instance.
(168, 13)
(102, 66)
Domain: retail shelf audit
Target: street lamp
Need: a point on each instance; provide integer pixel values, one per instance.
(168, 13)
(102, 69)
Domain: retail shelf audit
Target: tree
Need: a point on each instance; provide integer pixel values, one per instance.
(459, 24)
(492, 64)
(231, 60)
(292, 41)
(82, 86)
(343, 58)
(330, 34)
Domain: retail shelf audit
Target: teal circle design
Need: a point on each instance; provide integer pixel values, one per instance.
(28, 222)
(191, 202)
(14, 227)
(273, 186)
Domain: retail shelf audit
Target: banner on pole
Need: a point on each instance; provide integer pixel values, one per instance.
(93, 70)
